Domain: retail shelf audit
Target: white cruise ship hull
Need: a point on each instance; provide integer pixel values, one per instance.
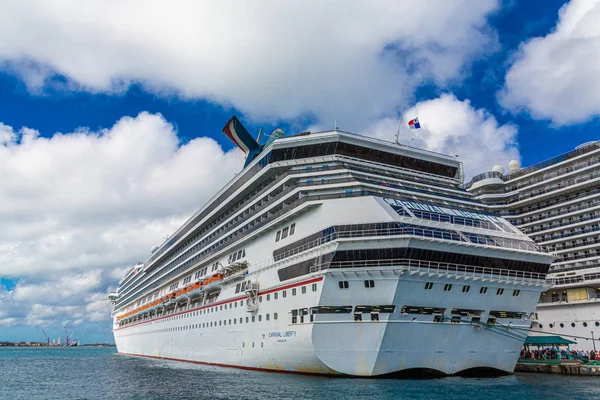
(336, 344)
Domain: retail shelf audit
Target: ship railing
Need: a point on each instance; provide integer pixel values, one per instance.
(435, 267)
(395, 230)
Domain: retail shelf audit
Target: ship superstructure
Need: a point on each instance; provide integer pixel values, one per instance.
(335, 253)
(557, 203)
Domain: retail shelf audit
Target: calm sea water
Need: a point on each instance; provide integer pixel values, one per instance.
(100, 373)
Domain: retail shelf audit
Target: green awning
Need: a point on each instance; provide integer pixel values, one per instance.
(548, 341)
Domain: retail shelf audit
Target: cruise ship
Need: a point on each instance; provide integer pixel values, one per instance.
(557, 203)
(333, 253)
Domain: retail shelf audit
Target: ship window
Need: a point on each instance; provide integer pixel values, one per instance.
(369, 283)
(447, 287)
(552, 325)
(235, 304)
(284, 294)
(483, 290)
(237, 287)
(278, 236)
(562, 325)
(294, 292)
(247, 319)
(500, 292)
(343, 284)
(421, 310)
(267, 317)
(260, 318)
(219, 323)
(585, 324)
(516, 292)
(284, 232)
(292, 229)
(230, 305)
(241, 320)
(253, 318)
(268, 297)
(275, 296)
(221, 307)
(260, 299)
(466, 288)
(314, 287)
(229, 322)
(239, 255)
(428, 285)
(303, 289)
(274, 315)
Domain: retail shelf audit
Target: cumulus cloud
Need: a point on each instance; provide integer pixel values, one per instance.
(100, 199)
(344, 59)
(78, 209)
(557, 77)
(455, 127)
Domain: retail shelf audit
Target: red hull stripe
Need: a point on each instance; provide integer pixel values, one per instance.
(293, 285)
(232, 366)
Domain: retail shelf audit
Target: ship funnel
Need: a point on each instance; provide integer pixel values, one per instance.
(242, 139)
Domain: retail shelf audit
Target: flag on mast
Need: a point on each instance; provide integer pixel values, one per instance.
(414, 123)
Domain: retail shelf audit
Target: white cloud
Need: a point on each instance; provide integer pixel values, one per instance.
(97, 200)
(557, 77)
(451, 126)
(79, 209)
(338, 59)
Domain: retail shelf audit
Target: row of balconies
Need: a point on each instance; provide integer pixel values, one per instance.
(581, 230)
(553, 174)
(573, 244)
(556, 201)
(560, 222)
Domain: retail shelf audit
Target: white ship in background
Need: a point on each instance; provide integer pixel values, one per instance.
(334, 253)
(557, 203)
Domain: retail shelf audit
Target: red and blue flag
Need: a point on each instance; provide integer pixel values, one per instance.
(414, 123)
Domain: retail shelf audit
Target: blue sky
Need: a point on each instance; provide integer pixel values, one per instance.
(139, 107)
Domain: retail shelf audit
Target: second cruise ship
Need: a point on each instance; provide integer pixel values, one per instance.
(557, 203)
(337, 254)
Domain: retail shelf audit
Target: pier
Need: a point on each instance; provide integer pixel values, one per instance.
(562, 367)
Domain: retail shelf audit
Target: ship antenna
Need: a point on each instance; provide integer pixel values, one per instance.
(402, 110)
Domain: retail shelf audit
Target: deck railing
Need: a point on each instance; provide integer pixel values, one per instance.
(427, 267)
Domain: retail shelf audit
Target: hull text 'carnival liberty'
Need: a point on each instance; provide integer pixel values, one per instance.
(334, 253)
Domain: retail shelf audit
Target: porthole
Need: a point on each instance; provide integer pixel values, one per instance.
(597, 323)
(585, 324)
(541, 326)
(551, 326)
(562, 325)
(252, 344)
(262, 345)
(572, 324)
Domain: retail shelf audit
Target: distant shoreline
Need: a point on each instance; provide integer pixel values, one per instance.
(40, 344)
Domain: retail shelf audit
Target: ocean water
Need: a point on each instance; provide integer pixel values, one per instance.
(100, 373)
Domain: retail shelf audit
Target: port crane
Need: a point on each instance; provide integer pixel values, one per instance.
(46, 337)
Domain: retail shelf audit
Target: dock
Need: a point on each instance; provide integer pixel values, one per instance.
(562, 367)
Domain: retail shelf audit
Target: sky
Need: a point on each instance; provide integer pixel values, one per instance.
(111, 114)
